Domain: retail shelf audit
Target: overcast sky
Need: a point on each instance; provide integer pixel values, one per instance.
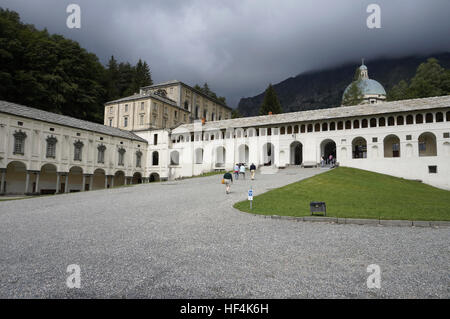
(240, 46)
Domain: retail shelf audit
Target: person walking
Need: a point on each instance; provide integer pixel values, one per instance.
(236, 171)
(228, 179)
(252, 171)
(242, 170)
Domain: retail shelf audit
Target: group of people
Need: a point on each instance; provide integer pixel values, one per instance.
(239, 169)
(327, 161)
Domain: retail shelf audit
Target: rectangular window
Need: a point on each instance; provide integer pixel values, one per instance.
(110, 122)
(141, 120)
(19, 143)
(138, 160)
(101, 155)
(77, 153)
(408, 137)
(374, 139)
(155, 139)
(446, 135)
(175, 114)
(432, 169)
(51, 149)
(111, 109)
(126, 107)
(125, 121)
(142, 106)
(19, 146)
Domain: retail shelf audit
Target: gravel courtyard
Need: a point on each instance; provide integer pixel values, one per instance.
(183, 239)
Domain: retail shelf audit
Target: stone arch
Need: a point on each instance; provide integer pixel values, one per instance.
(154, 177)
(75, 180)
(199, 155)
(296, 153)
(119, 178)
(48, 179)
(359, 147)
(427, 144)
(99, 177)
(16, 175)
(268, 153)
(175, 158)
(220, 155)
(244, 153)
(137, 178)
(391, 146)
(327, 148)
(419, 118)
(409, 119)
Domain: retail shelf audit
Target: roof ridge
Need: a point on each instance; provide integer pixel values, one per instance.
(47, 114)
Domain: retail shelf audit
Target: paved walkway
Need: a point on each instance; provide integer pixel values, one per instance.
(184, 240)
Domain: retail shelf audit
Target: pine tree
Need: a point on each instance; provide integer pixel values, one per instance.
(112, 80)
(399, 91)
(353, 95)
(270, 102)
(430, 80)
(235, 114)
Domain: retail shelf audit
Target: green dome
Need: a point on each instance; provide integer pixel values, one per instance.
(369, 87)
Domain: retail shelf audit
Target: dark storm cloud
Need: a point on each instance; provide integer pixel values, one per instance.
(239, 46)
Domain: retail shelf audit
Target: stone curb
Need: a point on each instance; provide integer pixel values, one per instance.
(360, 221)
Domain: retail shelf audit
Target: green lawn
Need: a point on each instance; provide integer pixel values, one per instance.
(355, 193)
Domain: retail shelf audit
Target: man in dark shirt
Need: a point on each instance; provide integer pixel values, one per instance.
(228, 178)
(252, 170)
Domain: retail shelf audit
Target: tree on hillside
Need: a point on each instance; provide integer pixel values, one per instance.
(112, 80)
(430, 80)
(353, 95)
(270, 102)
(206, 90)
(235, 114)
(398, 92)
(142, 76)
(55, 74)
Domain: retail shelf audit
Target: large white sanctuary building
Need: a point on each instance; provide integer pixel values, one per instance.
(42, 152)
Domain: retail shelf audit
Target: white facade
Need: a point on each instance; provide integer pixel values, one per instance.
(408, 139)
(33, 166)
(409, 142)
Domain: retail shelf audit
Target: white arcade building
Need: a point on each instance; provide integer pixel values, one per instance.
(42, 152)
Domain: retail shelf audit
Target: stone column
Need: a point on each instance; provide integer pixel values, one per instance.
(66, 189)
(58, 182)
(27, 182)
(37, 182)
(112, 181)
(91, 182)
(2, 180)
(83, 183)
(106, 181)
